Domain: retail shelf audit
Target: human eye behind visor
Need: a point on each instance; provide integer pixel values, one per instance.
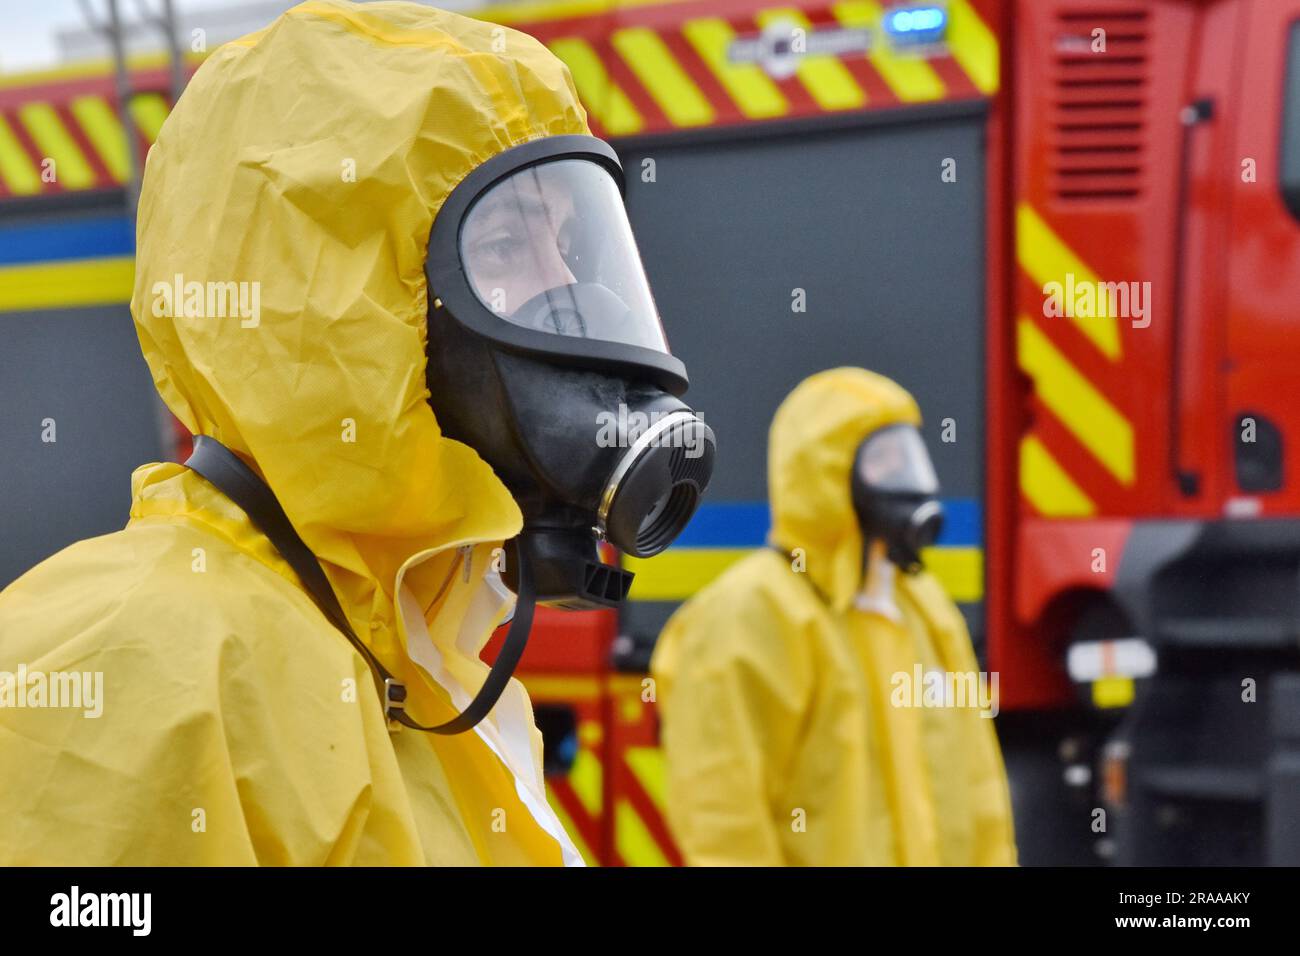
(549, 248)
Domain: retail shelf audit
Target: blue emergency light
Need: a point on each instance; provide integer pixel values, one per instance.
(916, 26)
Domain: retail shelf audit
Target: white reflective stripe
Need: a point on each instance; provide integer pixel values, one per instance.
(506, 729)
(1128, 657)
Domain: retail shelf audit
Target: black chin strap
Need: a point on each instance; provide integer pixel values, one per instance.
(223, 469)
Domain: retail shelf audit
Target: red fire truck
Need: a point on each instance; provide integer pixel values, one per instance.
(1070, 227)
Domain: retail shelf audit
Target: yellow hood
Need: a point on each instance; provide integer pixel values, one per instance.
(309, 160)
(814, 436)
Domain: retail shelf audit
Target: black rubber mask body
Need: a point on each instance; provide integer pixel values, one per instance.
(586, 454)
(907, 523)
(895, 494)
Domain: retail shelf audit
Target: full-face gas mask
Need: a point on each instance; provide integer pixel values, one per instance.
(546, 355)
(895, 494)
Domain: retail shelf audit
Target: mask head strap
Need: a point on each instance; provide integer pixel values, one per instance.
(224, 470)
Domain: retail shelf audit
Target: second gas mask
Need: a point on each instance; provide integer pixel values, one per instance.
(546, 355)
(895, 494)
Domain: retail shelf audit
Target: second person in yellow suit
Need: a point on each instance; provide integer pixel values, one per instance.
(778, 683)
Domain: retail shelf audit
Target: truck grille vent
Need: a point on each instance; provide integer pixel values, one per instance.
(1098, 116)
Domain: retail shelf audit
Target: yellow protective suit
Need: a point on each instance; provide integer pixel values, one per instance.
(776, 690)
(237, 725)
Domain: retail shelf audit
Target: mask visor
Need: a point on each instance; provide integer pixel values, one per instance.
(895, 460)
(549, 248)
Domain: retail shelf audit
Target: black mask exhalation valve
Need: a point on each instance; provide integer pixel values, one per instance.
(589, 457)
(906, 523)
(573, 575)
(649, 496)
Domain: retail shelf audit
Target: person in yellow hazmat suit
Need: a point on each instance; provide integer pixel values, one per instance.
(791, 731)
(384, 274)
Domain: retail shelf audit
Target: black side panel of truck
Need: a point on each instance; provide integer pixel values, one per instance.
(76, 376)
(889, 257)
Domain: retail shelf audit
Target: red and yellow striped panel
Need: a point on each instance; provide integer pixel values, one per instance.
(611, 800)
(1081, 446)
(640, 67)
(651, 68)
(68, 137)
(578, 796)
(640, 831)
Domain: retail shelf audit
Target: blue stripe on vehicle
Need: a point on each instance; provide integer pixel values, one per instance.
(102, 237)
(744, 524)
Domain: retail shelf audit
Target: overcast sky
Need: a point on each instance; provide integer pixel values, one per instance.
(27, 31)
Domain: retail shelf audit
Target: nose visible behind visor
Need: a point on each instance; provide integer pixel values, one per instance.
(582, 309)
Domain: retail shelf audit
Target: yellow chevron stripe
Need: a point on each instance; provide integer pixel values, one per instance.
(1048, 486)
(974, 46)
(78, 282)
(661, 74)
(751, 88)
(54, 141)
(149, 111)
(911, 78)
(601, 94)
(827, 79)
(1046, 257)
(679, 573)
(1100, 426)
(647, 765)
(585, 777)
(635, 844)
(20, 176)
(104, 132)
(571, 828)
